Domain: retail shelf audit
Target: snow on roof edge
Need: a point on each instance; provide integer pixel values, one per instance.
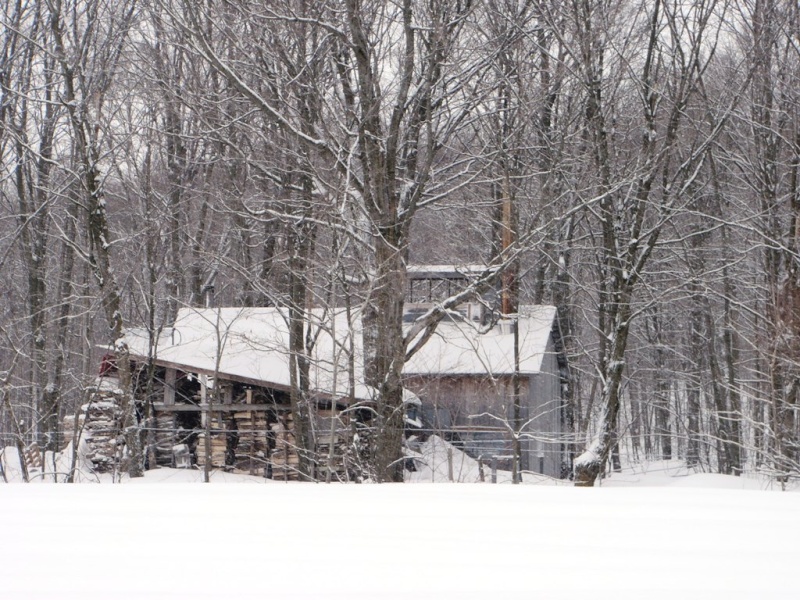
(256, 341)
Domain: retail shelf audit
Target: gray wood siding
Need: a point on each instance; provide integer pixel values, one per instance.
(486, 404)
(544, 427)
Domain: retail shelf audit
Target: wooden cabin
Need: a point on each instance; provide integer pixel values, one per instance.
(465, 376)
(226, 370)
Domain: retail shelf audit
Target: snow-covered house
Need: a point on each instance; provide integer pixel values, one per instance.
(233, 365)
(465, 375)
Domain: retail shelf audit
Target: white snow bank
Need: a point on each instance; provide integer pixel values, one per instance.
(56, 466)
(674, 473)
(433, 466)
(432, 463)
(89, 542)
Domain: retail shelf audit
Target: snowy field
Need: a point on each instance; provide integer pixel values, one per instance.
(653, 531)
(644, 535)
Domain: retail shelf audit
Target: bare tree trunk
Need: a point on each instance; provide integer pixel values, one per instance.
(53, 391)
(298, 247)
(29, 99)
(83, 98)
(385, 354)
(661, 401)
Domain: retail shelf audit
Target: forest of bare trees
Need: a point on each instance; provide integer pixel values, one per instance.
(635, 164)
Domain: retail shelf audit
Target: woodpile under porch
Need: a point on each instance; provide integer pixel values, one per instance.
(250, 427)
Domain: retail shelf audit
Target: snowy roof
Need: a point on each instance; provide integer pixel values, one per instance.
(460, 348)
(252, 344)
(444, 271)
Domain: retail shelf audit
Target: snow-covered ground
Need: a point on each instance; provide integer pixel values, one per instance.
(650, 532)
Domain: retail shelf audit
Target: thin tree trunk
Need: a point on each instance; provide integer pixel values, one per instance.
(87, 150)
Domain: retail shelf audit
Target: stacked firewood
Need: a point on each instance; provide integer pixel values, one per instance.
(324, 439)
(101, 429)
(251, 447)
(284, 458)
(219, 444)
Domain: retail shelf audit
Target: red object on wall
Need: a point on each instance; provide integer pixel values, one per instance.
(108, 365)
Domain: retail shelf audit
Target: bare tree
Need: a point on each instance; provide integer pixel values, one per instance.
(405, 81)
(88, 56)
(636, 197)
